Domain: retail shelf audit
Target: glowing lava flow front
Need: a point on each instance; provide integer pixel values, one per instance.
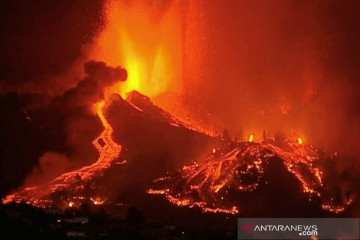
(74, 185)
(215, 183)
(111, 149)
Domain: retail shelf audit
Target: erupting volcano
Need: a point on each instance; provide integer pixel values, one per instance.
(214, 183)
(208, 111)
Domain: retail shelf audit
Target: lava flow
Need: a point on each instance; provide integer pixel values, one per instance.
(239, 167)
(75, 184)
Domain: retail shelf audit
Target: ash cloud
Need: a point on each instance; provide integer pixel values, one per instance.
(62, 131)
(50, 165)
(91, 88)
(80, 124)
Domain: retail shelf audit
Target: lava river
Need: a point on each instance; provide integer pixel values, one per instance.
(239, 167)
(75, 182)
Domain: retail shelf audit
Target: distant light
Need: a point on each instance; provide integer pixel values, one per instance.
(251, 137)
(214, 150)
(97, 201)
(300, 141)
(71, 204)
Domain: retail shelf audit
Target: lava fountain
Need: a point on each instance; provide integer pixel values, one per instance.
(145, 38)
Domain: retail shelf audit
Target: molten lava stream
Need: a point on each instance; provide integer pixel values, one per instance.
(74, 182)
(211, 183)
(111, 150)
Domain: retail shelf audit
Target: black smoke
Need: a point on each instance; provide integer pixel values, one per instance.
(60, 129)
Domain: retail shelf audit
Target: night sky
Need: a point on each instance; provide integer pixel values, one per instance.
(40, 39)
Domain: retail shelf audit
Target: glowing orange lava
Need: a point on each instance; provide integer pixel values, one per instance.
(146, 41)
(97, 201)
(207, 183)
(111, 149)
(74, 181)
